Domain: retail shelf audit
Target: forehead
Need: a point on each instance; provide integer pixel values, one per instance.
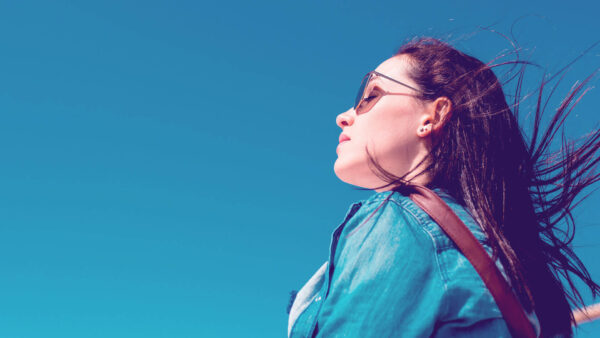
(396, 68)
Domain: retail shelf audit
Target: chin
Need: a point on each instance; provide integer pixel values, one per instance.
(360, 177)
(344, 172)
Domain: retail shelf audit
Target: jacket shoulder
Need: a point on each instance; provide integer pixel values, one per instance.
(467, 300)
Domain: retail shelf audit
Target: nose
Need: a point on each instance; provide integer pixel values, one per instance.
(345, 119)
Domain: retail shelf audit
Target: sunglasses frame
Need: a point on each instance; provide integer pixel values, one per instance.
(368, 76)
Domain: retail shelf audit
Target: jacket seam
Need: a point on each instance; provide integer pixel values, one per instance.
(442, 274)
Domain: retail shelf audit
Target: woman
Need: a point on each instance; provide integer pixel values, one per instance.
(433, 116)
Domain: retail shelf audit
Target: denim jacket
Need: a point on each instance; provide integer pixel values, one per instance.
(392, 272)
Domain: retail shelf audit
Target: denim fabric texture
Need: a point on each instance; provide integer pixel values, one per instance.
(392, 272)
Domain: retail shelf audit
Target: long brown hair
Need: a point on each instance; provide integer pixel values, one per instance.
(520, 193)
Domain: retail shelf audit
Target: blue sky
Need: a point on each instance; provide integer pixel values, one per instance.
(167, 165)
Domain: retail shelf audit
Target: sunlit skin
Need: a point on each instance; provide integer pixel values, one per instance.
(396, 130)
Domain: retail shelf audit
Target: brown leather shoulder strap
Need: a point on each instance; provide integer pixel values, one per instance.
(507, 302)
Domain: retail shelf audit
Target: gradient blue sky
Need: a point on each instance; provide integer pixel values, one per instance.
(167, 165)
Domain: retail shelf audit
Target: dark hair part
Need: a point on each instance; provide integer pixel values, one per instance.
(519, 193)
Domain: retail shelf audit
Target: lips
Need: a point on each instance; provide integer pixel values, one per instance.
(344, 138)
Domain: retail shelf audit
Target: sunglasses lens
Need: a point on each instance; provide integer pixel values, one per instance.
(361, 91)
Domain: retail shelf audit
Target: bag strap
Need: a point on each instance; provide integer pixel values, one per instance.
(507, 302)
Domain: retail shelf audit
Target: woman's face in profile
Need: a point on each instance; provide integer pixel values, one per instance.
(388, 129)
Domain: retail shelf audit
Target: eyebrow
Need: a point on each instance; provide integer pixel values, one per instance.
(375, 80)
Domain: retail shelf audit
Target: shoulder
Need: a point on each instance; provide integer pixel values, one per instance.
(390, 222)
(385, 236)
(386, 240)
(398, 217)
(394, 268)
(393, 246)
(391, 226)
(384, 272)
(466, 297)
(467, 300)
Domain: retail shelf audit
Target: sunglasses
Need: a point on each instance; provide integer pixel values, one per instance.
(361, 103)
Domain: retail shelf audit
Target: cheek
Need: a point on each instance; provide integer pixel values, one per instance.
(388, 145)
(392, 133)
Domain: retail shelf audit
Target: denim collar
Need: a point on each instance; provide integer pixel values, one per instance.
(380, 196)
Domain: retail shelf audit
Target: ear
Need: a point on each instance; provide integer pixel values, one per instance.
(442, 112)
(436, 115)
